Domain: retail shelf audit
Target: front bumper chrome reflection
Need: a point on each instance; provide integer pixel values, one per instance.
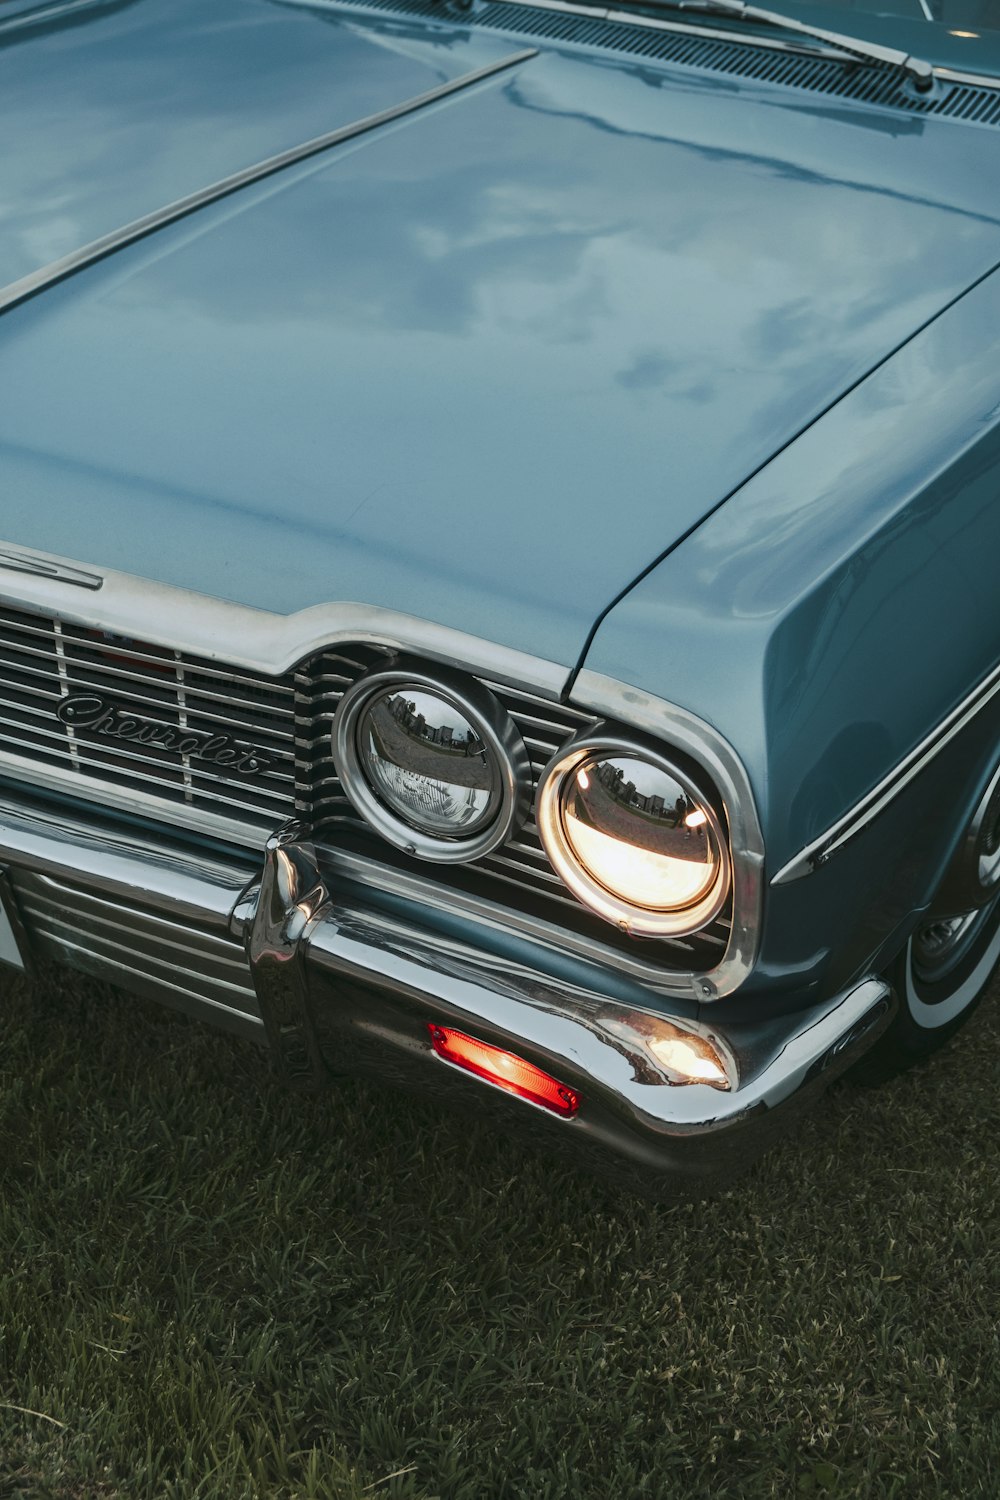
(336, 983)
(374, 983)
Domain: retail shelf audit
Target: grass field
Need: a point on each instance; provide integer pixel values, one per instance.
(212, 1288)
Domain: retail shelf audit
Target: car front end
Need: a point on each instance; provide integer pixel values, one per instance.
(187, 835)
(473, 583)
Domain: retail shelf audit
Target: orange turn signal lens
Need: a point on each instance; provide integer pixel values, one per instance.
(504, 1069)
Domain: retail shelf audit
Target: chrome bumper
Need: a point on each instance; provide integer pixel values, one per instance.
(337, 984)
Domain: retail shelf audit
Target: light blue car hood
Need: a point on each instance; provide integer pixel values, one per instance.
(483, 366)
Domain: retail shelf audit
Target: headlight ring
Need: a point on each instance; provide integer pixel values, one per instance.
(432, 761)
(633, 836)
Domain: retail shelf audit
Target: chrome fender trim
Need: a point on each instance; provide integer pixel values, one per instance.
(708, 748)
(865, 811)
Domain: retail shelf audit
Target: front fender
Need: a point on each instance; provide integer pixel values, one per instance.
(829, 616)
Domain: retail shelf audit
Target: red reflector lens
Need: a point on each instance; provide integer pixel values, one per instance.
(504, 1069)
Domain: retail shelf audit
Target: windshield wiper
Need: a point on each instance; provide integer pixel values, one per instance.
(921, 72)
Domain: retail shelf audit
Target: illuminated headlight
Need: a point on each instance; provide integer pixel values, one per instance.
(634, 838)
(433, 763)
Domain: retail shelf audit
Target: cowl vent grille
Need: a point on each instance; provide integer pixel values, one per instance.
(862, 82)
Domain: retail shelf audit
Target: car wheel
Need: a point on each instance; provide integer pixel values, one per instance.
(945, 968)
(939, 979)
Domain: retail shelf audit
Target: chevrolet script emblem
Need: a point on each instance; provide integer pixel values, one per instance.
(93, 714)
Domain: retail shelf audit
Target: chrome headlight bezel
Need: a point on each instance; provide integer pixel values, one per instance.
(509, 760)
(637, 921)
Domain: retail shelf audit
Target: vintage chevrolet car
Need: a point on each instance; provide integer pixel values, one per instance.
(500, 516)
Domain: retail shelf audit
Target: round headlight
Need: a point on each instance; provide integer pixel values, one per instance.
(634, 838)
(433, 763)
(427, 761)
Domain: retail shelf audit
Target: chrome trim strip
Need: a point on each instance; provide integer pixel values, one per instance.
(182, 719)
(120, 943)
(64, 689)
(134, 802)
(112, 968)
(57, 270)
(675, 726)
(124, 866)
(30, 562)
(958, 75)
(38, 15)
(57, 901)
(857, 818)
(238, 635)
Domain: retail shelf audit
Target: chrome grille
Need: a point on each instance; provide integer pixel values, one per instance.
(143, 951)
(516, 875)
(288, 720)
(43, 661)
(319, 687)
(544, 726)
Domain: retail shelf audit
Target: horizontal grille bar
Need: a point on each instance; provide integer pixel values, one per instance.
(12, 714)
(179, 728)
(54, 901)
(142, 949)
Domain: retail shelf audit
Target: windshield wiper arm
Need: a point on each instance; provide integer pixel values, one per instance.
(921, 72)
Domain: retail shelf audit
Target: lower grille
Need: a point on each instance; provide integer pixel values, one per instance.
(143, 951)
(141, 718)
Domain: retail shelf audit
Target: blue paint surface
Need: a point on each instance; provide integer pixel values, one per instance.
(483, 366)
(110, 111)
(845, 599)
